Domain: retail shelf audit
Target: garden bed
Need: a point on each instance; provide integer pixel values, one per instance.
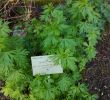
(72, 33)
(97, 74)
(98, 71)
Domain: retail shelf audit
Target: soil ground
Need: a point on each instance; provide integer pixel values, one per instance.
(97, 74)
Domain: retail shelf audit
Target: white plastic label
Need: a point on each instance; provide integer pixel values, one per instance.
(44, 65)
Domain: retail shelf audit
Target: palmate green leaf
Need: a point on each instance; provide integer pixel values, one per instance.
(43, 88)
(71, 64)
(83, 26)
(4, 28)
(52, 29)
(16, 76)
(77, 91)
(7, 91)
(44, 93)
(69, 2)
(50, 42)
(6, 62)
(83, 9)
(15, 41)
(92, 97)
(2, 40)
(65, 29)
(1, 44)
(92, 15)
(50, 94)
(64, 83)
(31, 97)
(67, 44)
(10, 58)
(63, 56)
(50, 90)
(82, 63)
(14, 94)
(92, 38)
(38, 92)
(86, 27)
(15, 84)
(78, 7)
(83, 88)
(20, 57)
(105, 9)
(46, 13)
(58, 15)
(91, 52)
(73, 92)
(76, 76)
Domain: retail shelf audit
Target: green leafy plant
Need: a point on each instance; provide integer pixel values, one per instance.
(13, 63)
(70, 32)
(72, 44)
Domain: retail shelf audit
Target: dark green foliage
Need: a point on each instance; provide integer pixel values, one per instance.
(13, 63)
(71, 43)
(103, 7)
(32, 40)
(106, 11)
(70, 32)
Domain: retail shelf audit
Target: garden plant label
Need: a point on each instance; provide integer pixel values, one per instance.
(44, 65)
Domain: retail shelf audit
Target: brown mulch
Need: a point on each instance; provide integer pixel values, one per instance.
(97, 74)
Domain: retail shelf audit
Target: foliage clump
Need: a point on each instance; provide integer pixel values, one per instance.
(69, 32)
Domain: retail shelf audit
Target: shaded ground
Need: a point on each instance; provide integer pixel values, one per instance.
(98, 71)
